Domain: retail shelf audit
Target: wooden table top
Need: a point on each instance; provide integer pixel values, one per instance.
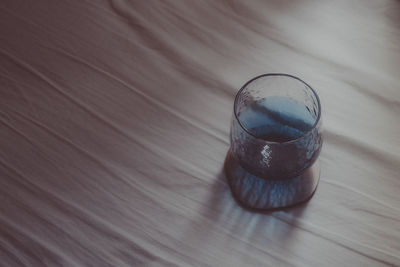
(114, 126)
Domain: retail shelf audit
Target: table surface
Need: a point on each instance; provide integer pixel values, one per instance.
(114, 126)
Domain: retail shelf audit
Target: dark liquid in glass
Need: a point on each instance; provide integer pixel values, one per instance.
(278, 119)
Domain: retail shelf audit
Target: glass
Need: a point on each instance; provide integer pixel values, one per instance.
(275, 142)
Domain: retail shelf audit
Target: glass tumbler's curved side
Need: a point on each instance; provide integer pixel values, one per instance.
(275, 141)
(275, 161)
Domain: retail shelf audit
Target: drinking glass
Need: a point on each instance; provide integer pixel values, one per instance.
(275, 142)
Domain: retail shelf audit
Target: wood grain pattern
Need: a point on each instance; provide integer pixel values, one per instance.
(114, 125)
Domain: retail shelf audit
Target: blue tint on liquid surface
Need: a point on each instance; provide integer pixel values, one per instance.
(277, 119)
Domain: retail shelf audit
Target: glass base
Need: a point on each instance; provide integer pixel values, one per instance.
(253, 192)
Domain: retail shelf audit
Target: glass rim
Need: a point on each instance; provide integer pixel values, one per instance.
(285, 75)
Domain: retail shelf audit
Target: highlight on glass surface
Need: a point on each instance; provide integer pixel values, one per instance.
(275, 142)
